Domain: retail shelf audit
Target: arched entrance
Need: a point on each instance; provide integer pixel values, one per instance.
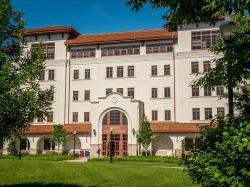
(116, 121)
(162, 145)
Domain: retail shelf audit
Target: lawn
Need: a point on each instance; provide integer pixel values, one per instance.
(39, 173)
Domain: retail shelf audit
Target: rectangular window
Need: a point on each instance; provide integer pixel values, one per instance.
(119, 90)
(82, 53)
(109, 90)
(76, 74)
(40, 119)
(48, 49)
(75, 95)
(109, 72)
(167, 115)
(87, 74)
(120, 71)
(51, 75)
(196, 114)
(41, 76)
(167, 92)
(154, 93)
(195, 67)
(208, 113)
(154, 115)
(219, 90)
(206, 66)
(195, 91)
(153, 70)
(131, 71)
(220, 111)
(207, 91)
(87, 95)
(86, 116)
(121, 50)
(166, 69)
(131, 92)
(52, 95)
(159, 48)
(75, 116)
(50, 117)
(204, 39)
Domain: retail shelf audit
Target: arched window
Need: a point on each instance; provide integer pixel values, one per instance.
(115, 117)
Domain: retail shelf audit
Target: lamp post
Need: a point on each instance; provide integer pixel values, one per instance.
(74, 143)
(111, 145)
(226, 30)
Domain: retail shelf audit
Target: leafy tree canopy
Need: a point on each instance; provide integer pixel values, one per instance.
(21, 98)
(145, 133)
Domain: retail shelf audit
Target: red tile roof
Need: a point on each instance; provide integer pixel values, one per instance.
(161, 127)
(70, 128)
(52, 30)
(118, 37)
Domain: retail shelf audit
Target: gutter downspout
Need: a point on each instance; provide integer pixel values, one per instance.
(65, 84)
(174, 80)
(69, 89)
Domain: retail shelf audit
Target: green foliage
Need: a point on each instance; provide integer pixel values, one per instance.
(47, 157)
(21, 98)
(193, 11)
(58, 135)
(242, 101)
(223, 158)
(145, 133)
(12, 147)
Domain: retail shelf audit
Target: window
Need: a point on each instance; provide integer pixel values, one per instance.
(131, 92)
(51, 75)
(109, 72)
(86, 116)
(154, 115)
(195, 91)
(40, 119)
(159, 48)
(204, 39)
(75, 116)
(87, 95)
(124, 119)
(194, 67)
(154, 93)
(131, 71)
(167, 115)
(219, 90)
(153, 70)
(167, 92)
(221, 111)
(120, 71)
(48, 49)
(119, 90)
(115, 117)
(166, 69)
(207, 91)
(87, 73)
(83, 53)
(75, 95)
(206, 66)
(208, 113)
(121, 50)
(76, 74)
(50, 117)
(48, 144)
(41, 76)
(109, 90)
(196, 114)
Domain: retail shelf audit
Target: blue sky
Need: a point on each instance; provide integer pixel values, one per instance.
(88, 16)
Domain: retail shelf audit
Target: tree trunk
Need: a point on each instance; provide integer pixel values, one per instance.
(230, 101)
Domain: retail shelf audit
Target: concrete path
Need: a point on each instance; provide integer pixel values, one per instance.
(77, 160)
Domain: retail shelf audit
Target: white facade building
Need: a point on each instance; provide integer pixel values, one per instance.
(107, 82)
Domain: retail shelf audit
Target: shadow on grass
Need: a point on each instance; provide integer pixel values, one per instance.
(44, 185)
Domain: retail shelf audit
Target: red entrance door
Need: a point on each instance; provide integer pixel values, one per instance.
(118, 122)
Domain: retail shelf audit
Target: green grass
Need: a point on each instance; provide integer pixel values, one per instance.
(48, 157)
(39, 173)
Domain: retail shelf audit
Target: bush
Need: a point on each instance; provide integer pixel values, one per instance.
(12, 147)
(223, 158)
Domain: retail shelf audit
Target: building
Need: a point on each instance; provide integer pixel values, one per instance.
(107, 82)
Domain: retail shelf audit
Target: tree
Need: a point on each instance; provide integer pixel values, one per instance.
(222, 158)
(145, 134)
(180, 12)
(21, 98)
(58, 136)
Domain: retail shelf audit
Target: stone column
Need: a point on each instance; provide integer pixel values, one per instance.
(177, 143)
(5, 147)
(33, 144)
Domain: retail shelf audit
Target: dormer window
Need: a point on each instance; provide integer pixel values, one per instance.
(83, 53)
(121, 50)
(159, 48)
(204, 39)
(48, 48)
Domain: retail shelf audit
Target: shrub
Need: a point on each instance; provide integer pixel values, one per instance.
(12, 147)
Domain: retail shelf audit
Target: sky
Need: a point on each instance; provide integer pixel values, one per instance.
(88, 16)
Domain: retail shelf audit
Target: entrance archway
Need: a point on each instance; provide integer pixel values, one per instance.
(162, 145)
(116, 121)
